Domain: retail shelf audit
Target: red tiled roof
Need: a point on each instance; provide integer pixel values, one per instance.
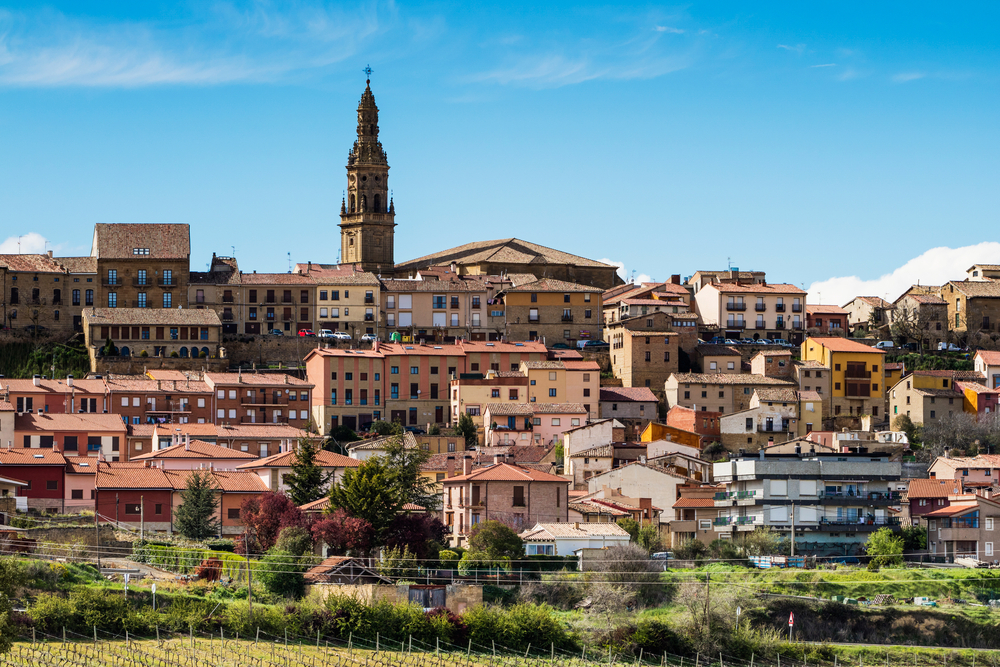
(517, 348)
(260, 431)
(6, 406)
(933, 488)
(53, 421)
(757, 288)
(989, 357)
(324, 459)
(694, 502)
(505, 472)
(275, 279)
(952, 510)
(122, 477)
(553, 285)
(413, 349)
(839, 344)
(558, 408)
(152, 316)
(580, 365)
(54, 386)
(876, 301)
(197, 449)
(21, 456)
(230, 481)
(825, 309)
(256, 379)
(628, 394)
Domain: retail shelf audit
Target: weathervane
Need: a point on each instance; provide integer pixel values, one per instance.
(368, 73)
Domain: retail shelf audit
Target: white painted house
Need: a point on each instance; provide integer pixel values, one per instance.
(565, 539)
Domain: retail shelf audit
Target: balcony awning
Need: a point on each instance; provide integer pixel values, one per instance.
(952, 510)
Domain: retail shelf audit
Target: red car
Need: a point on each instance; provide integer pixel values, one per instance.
(307, 333)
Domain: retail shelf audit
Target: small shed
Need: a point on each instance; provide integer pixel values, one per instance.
(344, 570)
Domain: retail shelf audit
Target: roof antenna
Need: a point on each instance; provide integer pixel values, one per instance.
(289, 262)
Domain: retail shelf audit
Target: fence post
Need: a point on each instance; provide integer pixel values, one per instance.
(350, 641)
(64, 634)
(95, 634)
(527, 650)
(258, 636)
(376, 642)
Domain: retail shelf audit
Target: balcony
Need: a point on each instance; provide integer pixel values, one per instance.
(142, 282)
(369, 318)
(683, 526)
(533, 320)
(760, 325)
(726, 498)
(962, 533)
(227, 317)
(760, 307)
(780, 324)
(273, 420)
(168, 407)
(881, 498)
(228, 299)
(733, 305)
(136, 303)
(736, 325)
(109, 282)
(567, 318)
(166, 282)
(859, 524)
(286, 318)
(797, 327)
(454, 304)
(779, 308)
(796, 307)
(287, 299)
(370, 300)
(854, 374)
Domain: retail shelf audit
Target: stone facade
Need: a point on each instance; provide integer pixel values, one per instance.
(142, 265)
(644, 358)
(552, 311)
(367, 215)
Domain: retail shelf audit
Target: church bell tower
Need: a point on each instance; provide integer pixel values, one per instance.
(367, 213)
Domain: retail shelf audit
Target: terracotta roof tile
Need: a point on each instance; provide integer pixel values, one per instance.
(628, 394)
(324, 459)
(876, 301)
(933, 488)
(30, 456)
(53, 421)
(977, 288)
(694, 502)
(399, 285)
(989, 357)
(129, 477)
(31, 263)
(709, 350)
(505, 472)
(558, 408)
(276, 279)
(518, 348)
(230, 481)
(281, 380)
(416, 349)
(825, 309)
(152, 316)
(164, 241)
(730, 378)
(757, 288)
(502, 251)
(261, 431)
(553, 285)
(547, 531)
(510, 409)
(197, 449)
(777, 395)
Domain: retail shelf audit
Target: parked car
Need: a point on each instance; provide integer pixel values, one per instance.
(325, 333)
(910, 347)
(885, 345)
(559, 346)
(276, 332)
(307, 333)
(730, 341)
(595, 345)
(415, 430)
(948, 347)
(369, 337)
(341, 335)
(779, 341)
(717, 340)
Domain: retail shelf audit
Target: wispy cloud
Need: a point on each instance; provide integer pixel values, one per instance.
(934, 267)
(664, 28)
(904, 77)
(823, 65)
(227, 45)
(797, 48)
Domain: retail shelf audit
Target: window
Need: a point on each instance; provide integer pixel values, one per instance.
(518, 500)
(132, 508)
(112, 300)
(90, 297)
(76, 494)
(52, 485)
(989, 523)
(394, 370)
(167, 298)
(552, 392)
(556, 421)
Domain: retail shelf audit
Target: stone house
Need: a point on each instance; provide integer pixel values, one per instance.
(718, 358)
(921, 318)
(973, 309)
(46, 291)
(634, 407)
(551, 310)
(566, 539)
(867, 314)
(272, 470)
(142, 265)
(644, 358)
(159, 332)
(502, 492)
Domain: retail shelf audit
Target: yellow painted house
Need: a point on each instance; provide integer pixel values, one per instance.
(857, 383)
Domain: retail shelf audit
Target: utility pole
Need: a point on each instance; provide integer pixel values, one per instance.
(97, 529)
(246, 551)
(793, 529)
(708, 602)
(142, 517)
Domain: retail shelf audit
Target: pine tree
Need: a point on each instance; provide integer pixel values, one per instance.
(306, 482)
(196, 518)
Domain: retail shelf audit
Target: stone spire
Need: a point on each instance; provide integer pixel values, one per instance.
(367, 149)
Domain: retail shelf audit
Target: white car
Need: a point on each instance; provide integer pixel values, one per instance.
(341, 335)
(368, 337)
(948, 347)
(324, 333)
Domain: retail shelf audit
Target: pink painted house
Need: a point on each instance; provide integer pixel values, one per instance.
(196, 454)
(539, 424)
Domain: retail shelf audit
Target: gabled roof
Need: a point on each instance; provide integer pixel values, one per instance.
(152, 317)
(505, 472)
(197, 449)
(694, 503)
(324, 459)
(730, 378)
(952, 510)
(280, 380)
(501, 251)
(121, 477)
(550, 531)
(989, 357)
(875, 301)
(261, 431)
(976, 288)
(230, 481)
(628, 394)
(57, 421)
(338, 566)
(933, 488)
(18, 456)
(380, 443)
(777, 395)
(598, 452)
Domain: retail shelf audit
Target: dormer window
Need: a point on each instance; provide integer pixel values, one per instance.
(140, 251)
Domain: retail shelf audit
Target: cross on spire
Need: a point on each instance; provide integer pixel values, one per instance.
(368, 73)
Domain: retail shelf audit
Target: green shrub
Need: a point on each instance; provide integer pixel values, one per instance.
(22, 522)
(281, 574)
(220, 544)
(515, 627)
(447, 557)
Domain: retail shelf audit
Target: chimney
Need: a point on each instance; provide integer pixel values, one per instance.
(761, 453)
(496, 459)
(467, 464)
(187, 445)
(450, 466)
(56, 447)
(675, 279)
(69, 380)
(576, 524)
(37, 380)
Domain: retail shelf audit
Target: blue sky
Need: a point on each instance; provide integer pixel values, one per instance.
(824, 143)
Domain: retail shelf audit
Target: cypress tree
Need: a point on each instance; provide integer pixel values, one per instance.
(306, 481)
(196, 518)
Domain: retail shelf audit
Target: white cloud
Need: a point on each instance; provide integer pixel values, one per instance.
(30, 243)
(664, 28)
(935, 267)
(824, 65)
(623, 274)
(798, 48)
(903, 77)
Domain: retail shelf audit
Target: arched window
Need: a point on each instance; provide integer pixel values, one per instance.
(352, 204)
(364, 203)
(184, 353)
(204, 352)
(125, 351)
(377, 209)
